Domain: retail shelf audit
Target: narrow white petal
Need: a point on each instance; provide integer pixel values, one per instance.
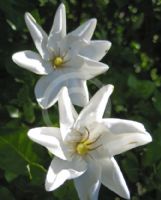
(38, 35)
(71, 45)
(85, 67)
(123, 135)
(58, 30)
(86, 30)
(96, 50)
(95, 108)
(67, 113)
(50, 138)
(78, 92)
(32, 62)
(113, 178)
(60, 171)
(88, 184)
(92, 68)
(48, 87)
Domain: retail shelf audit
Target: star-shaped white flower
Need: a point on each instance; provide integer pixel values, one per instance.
(65, 59)
(85, 144)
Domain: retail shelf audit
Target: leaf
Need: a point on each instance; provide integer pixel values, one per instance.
(5, 194)
(141, 88)
(151, 155)
(26, 103)
(16, 152)
(157, 101)
(131, 166)
(67, 192)
(10, 176)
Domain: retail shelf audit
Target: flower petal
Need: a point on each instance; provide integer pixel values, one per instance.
(113, 178)
(58, 30)
(85, 67)
(86, 30)
(88, 184)
(67, 113)
(32, 62)
(48, 87)
(92, 68)
(96, 50)
(38, 35)
(95, 108)
(50, 138)
(78, 92)
(123, 135)
(60, 171)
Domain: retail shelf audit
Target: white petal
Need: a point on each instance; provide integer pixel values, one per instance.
(113, 178)
(88, 184)
(78, 92)
(48, 87)
(71, 45)
(85, 67)
(60, 171)
(50, 138)
(95, 108)
(96, 50)
(32, 62)
(38, 35)
(92, 68)
(67, 113)
(123, 135)
(86, 30)
(58, 30)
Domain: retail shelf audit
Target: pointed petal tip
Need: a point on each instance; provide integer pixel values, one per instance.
(30, 133)
(13, 57)
(16, 57)
(109, 88)
(47, 187)
(127, 195)
(148, 138)
(61, 6)
(28, 16)
(108, 44)
(93, 20)
(124, 194)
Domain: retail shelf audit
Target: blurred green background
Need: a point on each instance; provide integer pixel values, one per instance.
(134, 28)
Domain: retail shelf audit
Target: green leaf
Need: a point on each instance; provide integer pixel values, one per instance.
(5, 194)
(26, 103)
(151, 155)
(16, 151)
(141, 88)
(131, 166)
(67, 191)
(157, 101)
(10, 176)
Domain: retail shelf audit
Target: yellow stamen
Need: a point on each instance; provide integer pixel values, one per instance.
(58, 61)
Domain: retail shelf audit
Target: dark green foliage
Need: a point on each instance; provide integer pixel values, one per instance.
(134, 28)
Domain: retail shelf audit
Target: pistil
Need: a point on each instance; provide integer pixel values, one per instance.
(86, 145)
(57, 62)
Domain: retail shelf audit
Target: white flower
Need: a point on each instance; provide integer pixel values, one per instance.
(85, 144)
(65, 59)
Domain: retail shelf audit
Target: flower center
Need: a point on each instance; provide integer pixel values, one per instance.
(82, 148)
(86, 145)
(57, 61)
